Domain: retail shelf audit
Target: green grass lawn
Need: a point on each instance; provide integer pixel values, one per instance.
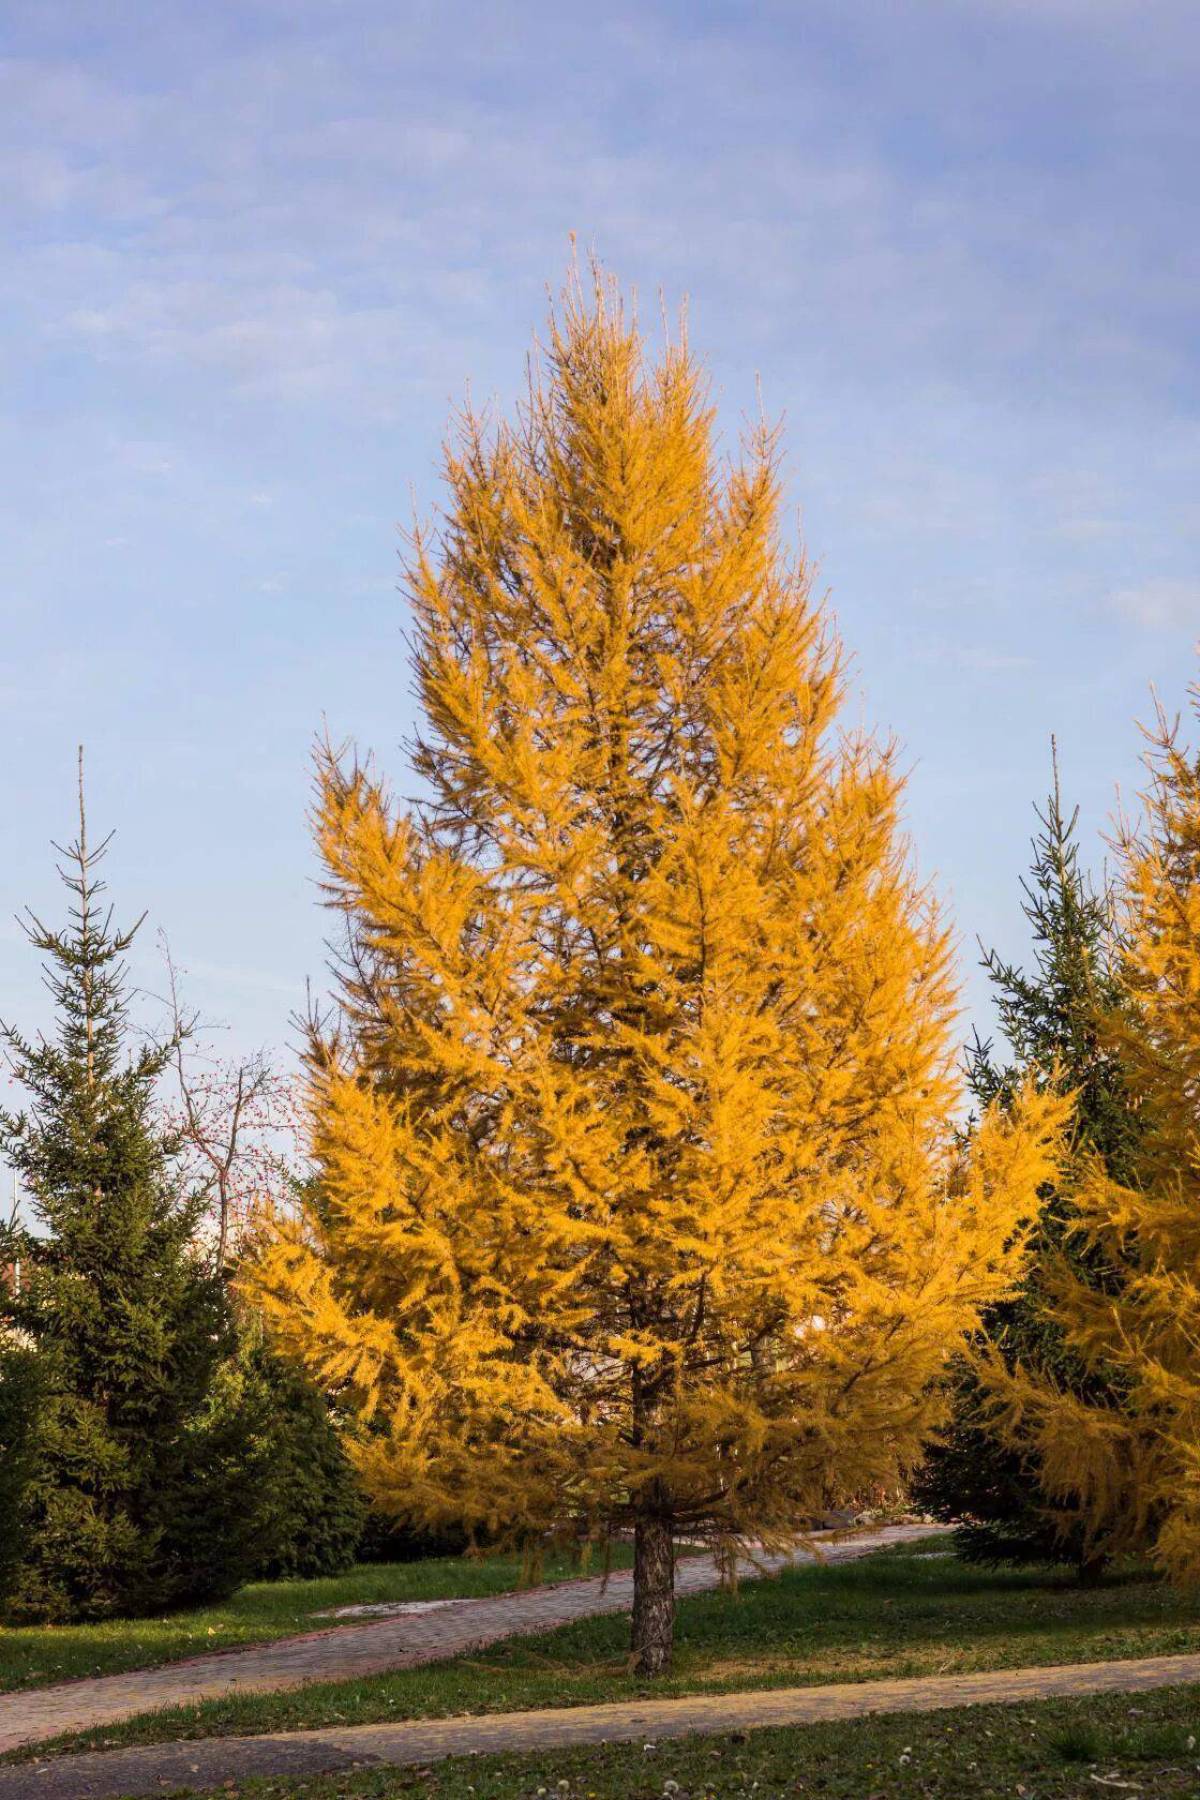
(1117, 1744)
(35, 1655)
(894, 1614)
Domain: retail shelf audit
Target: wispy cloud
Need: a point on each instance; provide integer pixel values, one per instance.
(1162, 603)
(257, 248)
(311, 216)
(976, 659)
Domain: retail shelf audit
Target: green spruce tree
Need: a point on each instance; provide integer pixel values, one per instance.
(140, 1493)
(1053, 1023)
(312, 1508)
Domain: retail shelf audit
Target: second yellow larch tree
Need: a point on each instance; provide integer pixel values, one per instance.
(638, 1206)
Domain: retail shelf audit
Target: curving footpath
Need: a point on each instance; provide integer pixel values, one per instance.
(347, 1652)
(205, 1764)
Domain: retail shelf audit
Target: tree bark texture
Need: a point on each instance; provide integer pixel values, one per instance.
(653, 1594)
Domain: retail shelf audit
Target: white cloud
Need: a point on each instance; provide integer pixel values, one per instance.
(975, 659)
(301, 226)
(1163, 603)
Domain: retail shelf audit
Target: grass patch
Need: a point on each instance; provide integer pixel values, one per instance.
(36, 1655)
(1142, 1744)
(894, 1614)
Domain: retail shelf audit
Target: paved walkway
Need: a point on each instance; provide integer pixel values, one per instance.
(347, 1652)
(208, 1763)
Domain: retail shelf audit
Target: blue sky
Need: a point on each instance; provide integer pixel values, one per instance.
(256, 251)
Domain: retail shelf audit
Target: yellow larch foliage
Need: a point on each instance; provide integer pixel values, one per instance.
(637, 1199)
(1129, 1457)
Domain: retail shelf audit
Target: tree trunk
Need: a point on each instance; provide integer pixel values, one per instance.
(653, 1594)
(1091, 1570)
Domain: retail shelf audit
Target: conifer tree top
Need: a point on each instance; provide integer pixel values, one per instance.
(83, 1076)
(1057, 1018)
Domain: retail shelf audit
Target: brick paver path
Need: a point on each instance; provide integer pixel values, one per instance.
(348, 1651)
(205, 1764)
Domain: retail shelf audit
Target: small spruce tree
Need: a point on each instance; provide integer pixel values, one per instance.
(311, 1508)
(136, 1499)
(1055, 1023)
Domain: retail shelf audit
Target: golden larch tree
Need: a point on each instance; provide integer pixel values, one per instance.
(1126, 1454)
(637, 1205)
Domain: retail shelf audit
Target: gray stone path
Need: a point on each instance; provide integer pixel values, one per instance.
(349, 1651)
(206, 1764)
